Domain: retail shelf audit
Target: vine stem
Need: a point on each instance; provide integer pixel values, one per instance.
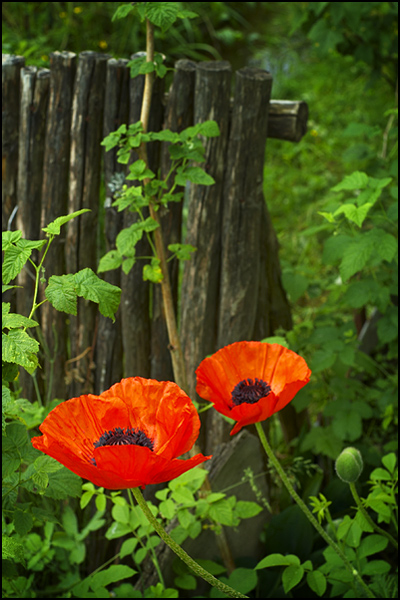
(175, 348)
(306, 511)
(368, 518)
(184, 556)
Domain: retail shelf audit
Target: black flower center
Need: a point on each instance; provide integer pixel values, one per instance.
(124, 437)
(250, 391)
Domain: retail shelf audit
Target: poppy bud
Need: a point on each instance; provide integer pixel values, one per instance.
(349, 465)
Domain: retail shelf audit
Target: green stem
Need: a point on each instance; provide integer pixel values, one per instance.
(368, 518)
(192, 564)
(307, 512)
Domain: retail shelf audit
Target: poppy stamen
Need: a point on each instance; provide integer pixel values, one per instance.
(250, 391)
(124, 437)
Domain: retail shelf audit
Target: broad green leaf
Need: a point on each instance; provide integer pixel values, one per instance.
(12, 550)
(317, 582)
(61, 293)
(278, 560)
(18, 347)
(8, 238)
(243, 580)
(111, 575)
(91, 287)
(54, 227)
(246, 510)
(209, 129)
(389, 461)
(193, 174)
(111, 260)
(372, 544)
(63, 484)
(123, 10)
(221, 512)
(291, 576)
(375, 567)
(14, 260)
(14, 320)
(356, 181)
(356, 257)
(162, 14)
(354, 214)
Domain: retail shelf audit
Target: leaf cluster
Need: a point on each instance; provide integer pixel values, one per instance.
(184, 148)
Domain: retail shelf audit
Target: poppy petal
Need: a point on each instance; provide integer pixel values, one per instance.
(74, 434)
(273, 365)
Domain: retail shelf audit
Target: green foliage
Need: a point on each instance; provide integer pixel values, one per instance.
(184, 148)
(37, 529)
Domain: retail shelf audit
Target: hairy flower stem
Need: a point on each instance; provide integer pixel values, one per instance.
(192, 564)
(368, 518)
(308, 514)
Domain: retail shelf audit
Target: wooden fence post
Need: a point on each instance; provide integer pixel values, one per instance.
(200, 284)
(84, 187)
(109, 355)
(32, 128)
(55, 204)
(10, 92)
(178, 116)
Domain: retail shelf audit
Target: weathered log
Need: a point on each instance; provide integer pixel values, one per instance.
(243, 206)
(55, 204)
(178, 116)
(32, 129)
(200, 285)
(109, 356)
(10, 91)
(287, 120)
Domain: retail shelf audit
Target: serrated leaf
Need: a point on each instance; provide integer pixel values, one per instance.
(246, 510)
(14, 320)
(12, 550)
(61, 293)
(194, 175)
(14, 261)
(356, 257)
(152, 273)
(162, 14)
(209, 129)
(20, 348)
(353, 213)
(91, 287)
(63, 484)
(8, 238)
(54, 227)
(356, 181)
(23, 521)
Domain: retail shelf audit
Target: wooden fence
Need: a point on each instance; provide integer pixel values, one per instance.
(53, 122)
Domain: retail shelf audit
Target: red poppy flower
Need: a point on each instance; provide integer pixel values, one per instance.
(129, 436)
(250, 381)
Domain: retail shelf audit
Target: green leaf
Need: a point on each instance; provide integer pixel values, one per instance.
(278, 560)
(111, 260)
(12, 550)
(375, 567)
(356, 181)
(221, 512)
(291, 576)
(354, 214)
(54, 227)
(23, 521)
(317, 582)
(8, 238)
(123, 11)
(14, 320)
(111, 575)
(389, 461)
(209, 129)
(243, 580)
(61, 293)
(20, 348)
(356, 256)
(63, 484)
(182, 251)
(162, 14)
(193, 174)
(153, 272)
(246, 510)
(91, 287)
(372, 544)
(14, 260)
